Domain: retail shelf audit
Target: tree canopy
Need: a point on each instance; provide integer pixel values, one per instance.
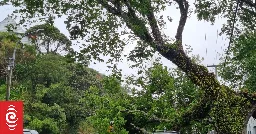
(102, 23)
(52, 40)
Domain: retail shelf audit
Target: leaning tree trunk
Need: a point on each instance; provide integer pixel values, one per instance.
(228, 109)
(230, 112)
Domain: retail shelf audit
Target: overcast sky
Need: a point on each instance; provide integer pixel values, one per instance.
(200, 35)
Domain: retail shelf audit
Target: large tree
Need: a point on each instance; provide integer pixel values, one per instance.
(98, 22)
(47, 36)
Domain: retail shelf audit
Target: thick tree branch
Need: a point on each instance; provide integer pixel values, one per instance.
(136, 24)
(183, 5)
(132, 21)
(153, 24)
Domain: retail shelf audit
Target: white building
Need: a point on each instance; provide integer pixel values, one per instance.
(251, 126)
(18, 29)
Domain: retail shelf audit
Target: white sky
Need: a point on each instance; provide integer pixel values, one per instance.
(194, 35)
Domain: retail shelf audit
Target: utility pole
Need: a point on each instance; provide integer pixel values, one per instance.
(215, 66)
(9, 74)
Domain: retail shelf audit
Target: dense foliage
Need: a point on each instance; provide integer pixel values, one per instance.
(48, 38)
(241, 63)
(67, 97)
(102, 24)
